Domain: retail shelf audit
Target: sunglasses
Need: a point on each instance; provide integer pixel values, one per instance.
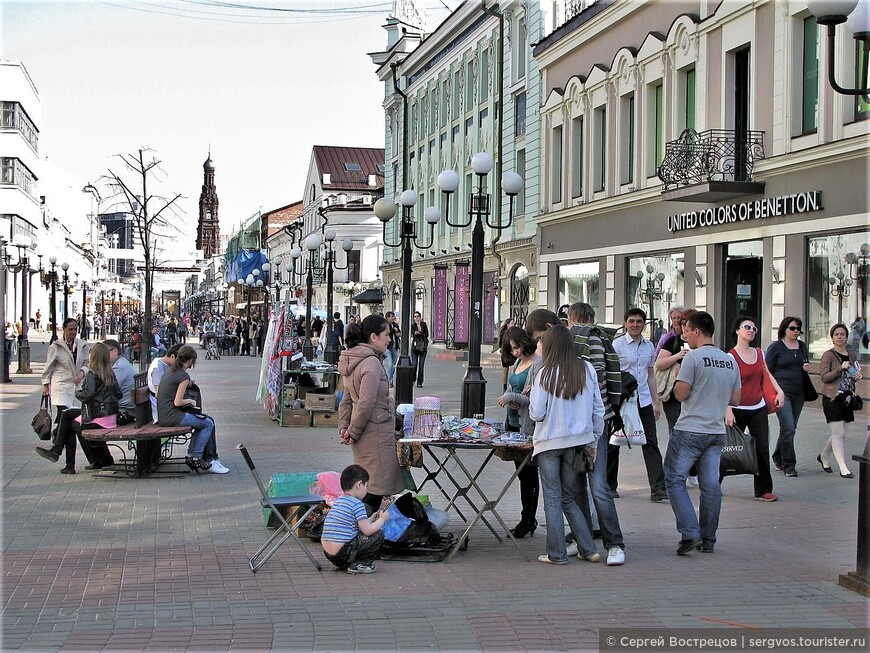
(749, 327)
(794, 328)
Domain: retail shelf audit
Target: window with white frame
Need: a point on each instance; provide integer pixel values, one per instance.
(469, 85)
(520, 202)
(577, 156)
(13, 116)
(556, 165)
(599, 170)
(445, 93)
(809, 75)
(655, 127)
(520, 114)
(626, 139)
(862, 106)
(686, 106)
(483, 77)
(519, 55)
(457, 93)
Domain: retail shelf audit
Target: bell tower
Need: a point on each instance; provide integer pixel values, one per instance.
(208, 231)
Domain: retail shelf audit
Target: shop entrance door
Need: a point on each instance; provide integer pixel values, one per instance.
(743, 267)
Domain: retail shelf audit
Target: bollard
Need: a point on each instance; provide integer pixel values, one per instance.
(859, 580)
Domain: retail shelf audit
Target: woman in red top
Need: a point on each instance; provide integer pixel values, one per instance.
(752, 411)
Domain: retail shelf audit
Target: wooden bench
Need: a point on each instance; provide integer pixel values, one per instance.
(150, 444)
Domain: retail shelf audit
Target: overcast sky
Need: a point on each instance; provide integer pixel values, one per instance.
(259, 88)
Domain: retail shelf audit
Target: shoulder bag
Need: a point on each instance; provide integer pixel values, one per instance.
(768, 391)
(41, 422)
(810, 393)
(665, 380)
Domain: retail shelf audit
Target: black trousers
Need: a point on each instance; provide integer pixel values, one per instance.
(759, 429)
(362, 548)
(64, 434)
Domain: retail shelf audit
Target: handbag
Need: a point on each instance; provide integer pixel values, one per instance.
(632, 427)
(41, 422)
(810, 393)
(665, 380)
(767, 389)
(419, 343)
(738, 453)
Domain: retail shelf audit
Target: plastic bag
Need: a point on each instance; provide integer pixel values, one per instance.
(396, 525)
(632, 427)
(328, 485)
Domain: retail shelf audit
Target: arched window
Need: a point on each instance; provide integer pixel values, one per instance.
(519, 294)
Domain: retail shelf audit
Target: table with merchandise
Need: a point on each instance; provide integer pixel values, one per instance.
(460, 435)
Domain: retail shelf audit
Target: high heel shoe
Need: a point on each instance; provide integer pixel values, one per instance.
(196, 464)
(849, 475)
(828, 470)
(524, 528)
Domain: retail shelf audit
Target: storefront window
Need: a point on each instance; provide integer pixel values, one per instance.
(837, 279)
(655, 284)
(579, 282)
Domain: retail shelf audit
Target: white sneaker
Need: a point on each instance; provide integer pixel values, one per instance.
(615, 556)
(692, 481)
(217, 467)
(573, 550)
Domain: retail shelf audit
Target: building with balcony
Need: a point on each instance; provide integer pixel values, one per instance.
(695, 154)
(470, 85)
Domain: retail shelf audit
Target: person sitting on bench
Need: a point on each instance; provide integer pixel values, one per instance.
(156, 371)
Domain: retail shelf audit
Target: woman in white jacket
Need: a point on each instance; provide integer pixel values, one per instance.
(65, 367)
(566, 403)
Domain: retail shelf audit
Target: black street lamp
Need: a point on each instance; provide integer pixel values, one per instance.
(651, 292)
(841, 286)
(859, 270)
(857, 18)
(385, 210)
(474, 385)
(85, 331)
(49, 280)
(330, 352)
(312, 243)
(65, 267)
(23, 266)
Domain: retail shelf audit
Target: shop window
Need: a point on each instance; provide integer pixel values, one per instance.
(655, 284)
(580, 282)
(810, 76)
(833, 298)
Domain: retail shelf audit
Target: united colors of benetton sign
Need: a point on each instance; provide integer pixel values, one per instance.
(769, 207)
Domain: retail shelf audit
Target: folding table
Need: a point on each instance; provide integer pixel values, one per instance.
(451, 451)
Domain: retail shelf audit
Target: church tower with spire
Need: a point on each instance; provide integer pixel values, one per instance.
(208, 232)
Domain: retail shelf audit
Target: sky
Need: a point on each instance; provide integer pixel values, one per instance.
(182, 77)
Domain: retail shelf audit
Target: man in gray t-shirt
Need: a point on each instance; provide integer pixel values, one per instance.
(707, 383)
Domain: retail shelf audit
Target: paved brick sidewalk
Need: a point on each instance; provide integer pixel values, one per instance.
(96, 564)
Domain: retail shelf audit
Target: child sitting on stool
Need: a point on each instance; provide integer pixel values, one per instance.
(351, 539)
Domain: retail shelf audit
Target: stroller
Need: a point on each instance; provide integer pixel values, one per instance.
(212, 351)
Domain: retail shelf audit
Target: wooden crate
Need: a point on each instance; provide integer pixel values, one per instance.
(324, 420)
(320, 403)
(296, 418)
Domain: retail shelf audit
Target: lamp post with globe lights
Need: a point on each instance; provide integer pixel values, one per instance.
(312, 243)
(65, 267)
(330, 352)
(23, 243)
(474, 385)
(856, 15)
(385, 210)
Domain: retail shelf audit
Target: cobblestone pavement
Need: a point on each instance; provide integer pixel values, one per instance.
(160, 564)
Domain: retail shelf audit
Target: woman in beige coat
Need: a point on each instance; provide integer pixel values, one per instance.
(366, 418)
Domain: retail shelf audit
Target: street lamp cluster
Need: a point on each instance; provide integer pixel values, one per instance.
(858, 271)
(479, 214)
(856, 15)
(23, 244)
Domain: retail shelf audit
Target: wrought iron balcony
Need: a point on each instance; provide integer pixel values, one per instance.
(711, 166)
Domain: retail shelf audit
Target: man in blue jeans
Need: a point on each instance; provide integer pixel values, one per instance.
(707, 383)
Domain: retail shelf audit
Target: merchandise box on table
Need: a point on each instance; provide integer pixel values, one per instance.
(287, 485)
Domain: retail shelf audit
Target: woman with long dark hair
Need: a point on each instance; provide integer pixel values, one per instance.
(570, 415)
(752, 411)
(173, 409)
(787, 359)
(366, 416)
(838, 372)
(515, 401)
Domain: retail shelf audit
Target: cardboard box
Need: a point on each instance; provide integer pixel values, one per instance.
(295, 418)
(320, 403)
(325, 420)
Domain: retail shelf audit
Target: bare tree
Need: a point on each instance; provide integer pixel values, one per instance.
(152, 216)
